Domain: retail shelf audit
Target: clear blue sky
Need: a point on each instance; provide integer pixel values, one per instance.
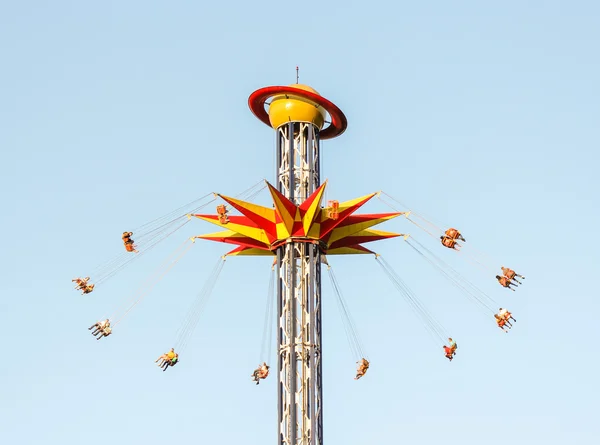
(484, 115)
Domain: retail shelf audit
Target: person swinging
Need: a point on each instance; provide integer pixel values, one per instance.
(449, 352)
(501, 322)
(454, 234)
(80, 283)
(172, 362)
(505, 282)
(128, 242)
(452, 344)
(363, 366)
(88, 288)
(449, 242)
(511, 274)
(99, 326)
(105, 332)
(262, 372)
(222, 214)
(507, 316)
(165, 358)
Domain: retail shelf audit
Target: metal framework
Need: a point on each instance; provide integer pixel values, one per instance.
(299, 338)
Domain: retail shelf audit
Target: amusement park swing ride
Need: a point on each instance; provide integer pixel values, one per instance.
(300, 231)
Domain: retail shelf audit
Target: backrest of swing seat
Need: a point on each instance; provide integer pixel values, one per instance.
(452, 233)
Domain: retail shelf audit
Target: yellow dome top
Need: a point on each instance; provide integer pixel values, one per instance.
(296, 109)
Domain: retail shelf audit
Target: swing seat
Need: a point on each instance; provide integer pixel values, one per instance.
(333, 209)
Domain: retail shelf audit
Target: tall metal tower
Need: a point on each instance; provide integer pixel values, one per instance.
(297, 124)
(299, 232)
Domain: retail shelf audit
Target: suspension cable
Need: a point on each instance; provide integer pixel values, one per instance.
(266, 344)
(151, 285)
(421, 215)
(434, 327)
(349, 325)
(484, 300)
(407, 216)
(163, 265)
(193, 315)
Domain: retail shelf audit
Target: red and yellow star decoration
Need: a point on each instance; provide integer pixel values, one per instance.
(260, 230)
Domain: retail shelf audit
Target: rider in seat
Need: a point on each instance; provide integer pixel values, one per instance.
(363, 365)
(262, 372)
(503, 313)
(81, 283)
(511, 274)
(501, 323)
(222, 213)
(171, 362)
(449, 352)
(128, 242)
(449, 242)
(505, 282)
(105, 332)
(165, 358)
(99, 326)
(454, 234)
(102, 327)
(452, 344)
(87, 289)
